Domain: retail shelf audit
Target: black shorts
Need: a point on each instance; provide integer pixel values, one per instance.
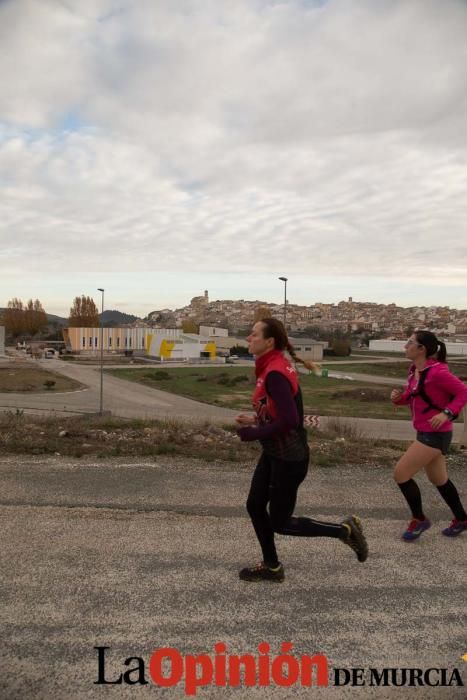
(440, 441)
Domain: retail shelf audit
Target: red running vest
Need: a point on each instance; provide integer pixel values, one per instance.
(272, 361)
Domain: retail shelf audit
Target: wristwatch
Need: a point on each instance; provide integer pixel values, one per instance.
(448, 413)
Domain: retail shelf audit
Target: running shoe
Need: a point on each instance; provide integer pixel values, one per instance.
(455, 528)
(415, 528)
(261, 572)
(354, 537)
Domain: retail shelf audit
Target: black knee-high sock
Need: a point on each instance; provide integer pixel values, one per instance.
(413, 497)
(449, 493)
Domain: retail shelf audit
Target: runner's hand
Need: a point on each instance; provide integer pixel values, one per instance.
(438, 420)
(396, 394)
(244, 420)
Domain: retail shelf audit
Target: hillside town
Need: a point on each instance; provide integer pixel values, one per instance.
(209, 329)
(376, 320)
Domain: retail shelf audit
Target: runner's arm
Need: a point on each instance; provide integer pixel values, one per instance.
(280, 391)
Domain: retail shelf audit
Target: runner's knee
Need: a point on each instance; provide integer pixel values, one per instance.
(279, 518)
(438, 479)
(254, 506)
(399, 475)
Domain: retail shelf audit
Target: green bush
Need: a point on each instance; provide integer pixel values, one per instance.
(158, 375)
(239, 378)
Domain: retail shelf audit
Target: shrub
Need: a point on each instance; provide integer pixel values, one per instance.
(343, 429)
(239, 350)
(158, 375)
(239, 378)
(341, 348)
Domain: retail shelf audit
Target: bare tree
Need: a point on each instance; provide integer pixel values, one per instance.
(35, 318)
(83, 313)
(13, 318)
(261, 312)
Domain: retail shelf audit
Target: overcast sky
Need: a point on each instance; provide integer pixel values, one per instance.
(158, 148)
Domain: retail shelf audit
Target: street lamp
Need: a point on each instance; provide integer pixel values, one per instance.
(284, 280)
(101, 341)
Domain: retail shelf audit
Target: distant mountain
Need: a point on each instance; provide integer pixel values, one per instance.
(117, 318)
(59, 320)
(109, 317)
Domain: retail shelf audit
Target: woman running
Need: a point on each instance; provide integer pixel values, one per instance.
(435, 397)
(283, 465)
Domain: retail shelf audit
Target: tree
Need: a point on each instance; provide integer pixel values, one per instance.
(83, 313)
(24, 320)
(189, 326)
(35, 318)
(261, 312)
(239, 350)
(13, 318)
(341, 347)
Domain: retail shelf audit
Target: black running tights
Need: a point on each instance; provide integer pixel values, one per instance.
(275, 482)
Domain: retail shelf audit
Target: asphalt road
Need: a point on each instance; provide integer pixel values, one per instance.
(130, 400)
(138, 555)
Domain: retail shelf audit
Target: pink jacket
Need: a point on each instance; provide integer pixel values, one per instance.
(443, 388)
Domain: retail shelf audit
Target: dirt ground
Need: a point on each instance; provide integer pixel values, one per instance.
(17, 377)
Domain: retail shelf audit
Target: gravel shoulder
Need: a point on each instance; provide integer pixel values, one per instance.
(138, 554)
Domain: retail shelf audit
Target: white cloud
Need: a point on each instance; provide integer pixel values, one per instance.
(326, 138)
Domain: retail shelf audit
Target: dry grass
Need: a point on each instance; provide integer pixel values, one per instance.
(109, 437)
(28, 378)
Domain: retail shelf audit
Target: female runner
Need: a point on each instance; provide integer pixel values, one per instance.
(435, 397)
(283, 465)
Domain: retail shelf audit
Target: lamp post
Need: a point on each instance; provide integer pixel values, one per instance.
(284, 280)
(101, 342)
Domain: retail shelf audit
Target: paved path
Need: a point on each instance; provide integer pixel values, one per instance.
(137, 555)
(123, 398)
(131, 400)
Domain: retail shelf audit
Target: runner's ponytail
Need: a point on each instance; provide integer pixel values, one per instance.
(434, 348)
(309, 364)
(441, 354)
(273, 328)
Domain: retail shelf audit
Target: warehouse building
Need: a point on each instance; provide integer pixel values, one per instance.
(308, 348)
(455, 349)
(165, 344)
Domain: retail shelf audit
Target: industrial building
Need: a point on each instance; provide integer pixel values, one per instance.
(456, 349)
(165, 344)
(308, 348)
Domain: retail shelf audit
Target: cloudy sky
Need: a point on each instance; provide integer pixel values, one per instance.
(158, 148)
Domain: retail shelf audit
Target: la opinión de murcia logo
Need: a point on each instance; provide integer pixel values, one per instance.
(168, 667)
